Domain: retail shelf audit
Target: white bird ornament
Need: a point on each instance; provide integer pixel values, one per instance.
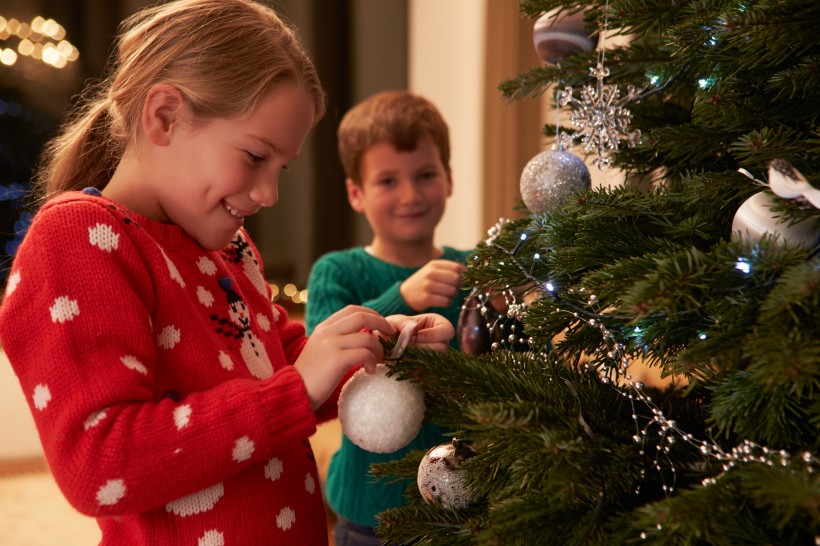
(787, 182)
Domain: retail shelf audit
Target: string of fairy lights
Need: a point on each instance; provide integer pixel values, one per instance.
(668, 432)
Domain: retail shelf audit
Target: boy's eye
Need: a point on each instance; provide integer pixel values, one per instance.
(387, 182)
(429, 174)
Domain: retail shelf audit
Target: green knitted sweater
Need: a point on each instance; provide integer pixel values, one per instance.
(354, 277)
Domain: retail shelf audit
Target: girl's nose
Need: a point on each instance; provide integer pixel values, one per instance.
(265, 193)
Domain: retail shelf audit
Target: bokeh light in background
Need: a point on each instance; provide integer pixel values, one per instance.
(42, 39)
(38, 74)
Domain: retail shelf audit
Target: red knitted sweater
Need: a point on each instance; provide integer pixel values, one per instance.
(159, 375)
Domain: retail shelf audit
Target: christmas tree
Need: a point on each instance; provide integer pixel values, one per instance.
(711, 278)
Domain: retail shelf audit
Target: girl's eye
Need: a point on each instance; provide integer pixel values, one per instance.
(255, 158)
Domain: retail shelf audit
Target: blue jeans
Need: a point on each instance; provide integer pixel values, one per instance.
(347, 533)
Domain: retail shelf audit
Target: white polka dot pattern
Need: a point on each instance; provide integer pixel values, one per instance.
(132, 363)
(103, 237)
(42, 396)
(273, 470)
(206, 266)
(263, 322)
(310, 483)
(111, 493)
(182, 416)
(95, 419)
(225, 360)
(169, 337)
(243, 449)
(204, 296)
(64, 309)
(212, 538)
(12, 283)
(172, 269)
(201, 501)
(276, 313)
(285, 518)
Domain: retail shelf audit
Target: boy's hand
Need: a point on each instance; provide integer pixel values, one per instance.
(434, 285)
(433, 331)
(343, 340)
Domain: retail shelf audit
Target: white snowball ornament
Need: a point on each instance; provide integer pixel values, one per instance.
(550, 177)
(440, 477)
(378, 413)
(557, 37)
(381, 414)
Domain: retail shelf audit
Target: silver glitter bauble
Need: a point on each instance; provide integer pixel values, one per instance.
(380, 414)
(754, 218)
(440, 477)
(550, 177)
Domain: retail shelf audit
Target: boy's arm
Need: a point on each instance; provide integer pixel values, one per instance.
(328, 291)
(331, 286)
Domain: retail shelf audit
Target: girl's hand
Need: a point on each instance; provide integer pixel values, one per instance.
(433, 331)
(343, 340)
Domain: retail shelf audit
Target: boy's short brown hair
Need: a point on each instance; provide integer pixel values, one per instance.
(397, 117)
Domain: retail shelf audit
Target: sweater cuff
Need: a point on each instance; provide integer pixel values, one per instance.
(390, 302)
(289, 415)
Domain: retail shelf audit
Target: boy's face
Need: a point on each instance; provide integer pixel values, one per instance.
(402, 194)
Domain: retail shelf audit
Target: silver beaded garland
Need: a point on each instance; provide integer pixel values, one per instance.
(550, 177)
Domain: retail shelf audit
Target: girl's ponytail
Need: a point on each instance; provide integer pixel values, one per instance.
(83, 154)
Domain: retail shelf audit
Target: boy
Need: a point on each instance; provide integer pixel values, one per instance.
(395, 150)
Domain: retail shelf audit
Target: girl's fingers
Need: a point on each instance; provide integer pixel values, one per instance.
(345, 312)
(354, 318)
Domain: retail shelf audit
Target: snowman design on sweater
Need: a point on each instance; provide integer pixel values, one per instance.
(237, 326)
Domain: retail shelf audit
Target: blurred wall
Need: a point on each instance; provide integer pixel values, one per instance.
(446, 55)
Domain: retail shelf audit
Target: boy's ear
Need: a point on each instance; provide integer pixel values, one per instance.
(161, 111)
(449, 183)
(355, 195)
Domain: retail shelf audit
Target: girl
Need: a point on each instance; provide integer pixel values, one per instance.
(173, 400)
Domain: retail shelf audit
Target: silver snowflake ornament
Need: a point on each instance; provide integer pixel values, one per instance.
(600, 116)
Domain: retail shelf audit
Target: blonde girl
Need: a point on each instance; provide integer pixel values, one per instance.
(174, 401)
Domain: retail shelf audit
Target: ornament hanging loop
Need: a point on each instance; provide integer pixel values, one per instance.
(407, 332)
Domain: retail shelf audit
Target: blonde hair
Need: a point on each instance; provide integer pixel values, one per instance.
(397, 117)
(222, 55)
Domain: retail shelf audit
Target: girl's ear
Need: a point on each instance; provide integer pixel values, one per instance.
(161, 113)
(355, 195)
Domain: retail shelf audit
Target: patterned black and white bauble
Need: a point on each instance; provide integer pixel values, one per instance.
(380, 414)
(440, 477)
(754, 218)
(550, 177)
